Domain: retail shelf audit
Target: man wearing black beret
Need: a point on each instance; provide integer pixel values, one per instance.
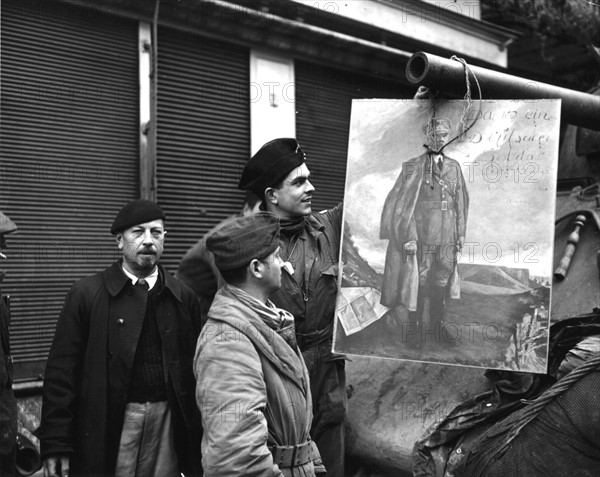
(252, 384)
(310, 244)
(119, 386)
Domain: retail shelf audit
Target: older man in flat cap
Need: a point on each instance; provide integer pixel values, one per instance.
(8, 404)
(278, 174)
(119, 385)
(252, 384)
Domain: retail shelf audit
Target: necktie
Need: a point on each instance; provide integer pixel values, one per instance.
(440, 164)
(142, 284)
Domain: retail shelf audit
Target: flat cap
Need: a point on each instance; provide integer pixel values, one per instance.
(441, 125)
(239, 241)
(437, 126)
(6, 225)
(275, 160)
(136, 212)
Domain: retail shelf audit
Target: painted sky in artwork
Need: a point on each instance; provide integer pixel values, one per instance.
(509, 160)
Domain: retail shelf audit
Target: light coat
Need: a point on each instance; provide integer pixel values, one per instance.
(253, 392)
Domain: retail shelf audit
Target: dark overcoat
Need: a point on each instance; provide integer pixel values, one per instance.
(398, 225)
(89, 366)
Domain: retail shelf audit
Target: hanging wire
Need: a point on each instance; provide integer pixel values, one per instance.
(463, 128)
(468, 99)
(429, 129)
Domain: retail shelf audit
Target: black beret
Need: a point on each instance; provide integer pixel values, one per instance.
(275, 160)
(136, 212)
(6, 225)
(239, 241)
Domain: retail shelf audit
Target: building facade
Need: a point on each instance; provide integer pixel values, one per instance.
(106, 101)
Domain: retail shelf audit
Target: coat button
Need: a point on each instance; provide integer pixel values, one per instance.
(120, 322)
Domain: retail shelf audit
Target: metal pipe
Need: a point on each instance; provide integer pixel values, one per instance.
(441, 74)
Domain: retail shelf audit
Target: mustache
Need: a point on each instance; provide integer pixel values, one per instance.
(147, 251)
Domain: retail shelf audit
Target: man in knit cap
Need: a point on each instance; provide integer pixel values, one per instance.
(278, 174)
(252, 385)
(118, 393)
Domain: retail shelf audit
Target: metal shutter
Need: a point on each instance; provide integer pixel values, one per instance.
(68, 156)
(323, 103)
(203, 135)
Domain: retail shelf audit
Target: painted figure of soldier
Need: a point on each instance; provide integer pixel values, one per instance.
(424, 218)
(8, 404)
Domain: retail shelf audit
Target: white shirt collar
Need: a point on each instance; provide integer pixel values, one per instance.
(150, 279)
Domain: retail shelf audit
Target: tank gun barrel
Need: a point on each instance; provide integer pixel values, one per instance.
(441, 74)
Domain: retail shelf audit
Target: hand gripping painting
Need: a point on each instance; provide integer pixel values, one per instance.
(448, 232)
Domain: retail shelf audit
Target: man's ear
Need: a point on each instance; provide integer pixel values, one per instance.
(255, 268)
(270, 195)
(119, 240)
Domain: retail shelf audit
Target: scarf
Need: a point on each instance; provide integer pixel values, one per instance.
(278, 319)
(291, 227)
